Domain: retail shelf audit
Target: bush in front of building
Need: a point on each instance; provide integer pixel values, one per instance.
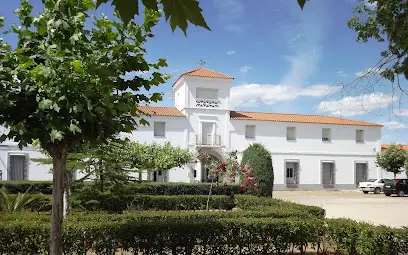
(260, 160)
(203, 236)
(172, 189)
(15, 187)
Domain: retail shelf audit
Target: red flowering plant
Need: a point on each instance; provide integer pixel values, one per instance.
(227, 172)
(248, 180)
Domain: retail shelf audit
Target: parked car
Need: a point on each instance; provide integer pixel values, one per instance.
(372, 185)
(397, 186)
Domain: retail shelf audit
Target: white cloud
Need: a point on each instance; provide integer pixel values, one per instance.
(356, 105)
(341, 73)
(401, 112)
(230, 52)
(245, 69)
(251, 95)
(394, 125)
(369, 71)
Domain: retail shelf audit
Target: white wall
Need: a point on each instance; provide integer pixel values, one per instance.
(222, 85)
(180, 96)
(308, 138)
(36, 171)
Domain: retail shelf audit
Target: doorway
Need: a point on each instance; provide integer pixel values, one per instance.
(360, 172)
(208, 131)
(328, 174)
(292, 173)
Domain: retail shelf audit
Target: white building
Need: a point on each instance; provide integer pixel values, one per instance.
(308, 151)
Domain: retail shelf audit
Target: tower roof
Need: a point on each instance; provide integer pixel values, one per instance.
(204, 72)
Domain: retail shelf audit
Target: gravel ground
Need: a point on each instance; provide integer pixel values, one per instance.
(371, 208)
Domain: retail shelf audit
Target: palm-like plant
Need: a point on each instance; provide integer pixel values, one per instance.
(14, 203)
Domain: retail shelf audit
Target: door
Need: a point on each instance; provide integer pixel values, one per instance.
(290, 173)
(207, 133)
(361, 172)
(18, 167)
(328, 173)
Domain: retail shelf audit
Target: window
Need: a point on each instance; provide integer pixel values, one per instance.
(289, 172)
(360, 136)
(290, 133)
(250, 131)
(326, 134)
(159, 129)
(159, 173)
(18, 167)
(206, 93)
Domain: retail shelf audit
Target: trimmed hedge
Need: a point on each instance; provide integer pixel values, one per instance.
(172, 189)
(14, 187)
(115, 203)
(209, 236)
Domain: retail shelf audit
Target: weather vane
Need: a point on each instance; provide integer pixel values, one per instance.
(202, 62)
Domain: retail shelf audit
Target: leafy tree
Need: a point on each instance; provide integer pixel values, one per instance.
(178, 12)
(384, 21)
(14, 203)
(392, 159)
(63, 83)
(155, 157)
(260, 160)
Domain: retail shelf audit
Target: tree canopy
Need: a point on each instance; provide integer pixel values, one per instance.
(392, 159)
(64, 82)
(385, 21)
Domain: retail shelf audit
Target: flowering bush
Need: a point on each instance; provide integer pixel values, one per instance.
(249, 180)
(226, 172)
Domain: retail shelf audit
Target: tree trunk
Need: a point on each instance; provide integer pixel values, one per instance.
(395, 175)
(67, 192)
(59, 159)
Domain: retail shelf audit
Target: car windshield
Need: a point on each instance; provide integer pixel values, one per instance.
(371, 180)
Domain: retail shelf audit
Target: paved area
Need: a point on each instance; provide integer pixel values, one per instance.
(375, 209)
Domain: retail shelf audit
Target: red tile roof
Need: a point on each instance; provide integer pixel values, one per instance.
(160, 111)
(204, 72)
(386, 146)
(263, 116)
(299, 118)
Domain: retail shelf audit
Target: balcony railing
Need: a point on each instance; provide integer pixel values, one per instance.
(205, 140)
(207, 103)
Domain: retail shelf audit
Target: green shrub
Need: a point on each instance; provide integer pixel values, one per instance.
(93, 200)
(14, 187)
(254, 203)
(183, 235)
(261, 160)
(171, 189)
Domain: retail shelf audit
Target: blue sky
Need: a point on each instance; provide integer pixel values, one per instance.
(283, 59)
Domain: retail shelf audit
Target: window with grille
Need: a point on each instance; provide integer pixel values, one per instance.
(159, 129)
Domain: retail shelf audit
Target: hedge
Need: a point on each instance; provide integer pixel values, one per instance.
(14, 187)
(210, 236)
(172, 189)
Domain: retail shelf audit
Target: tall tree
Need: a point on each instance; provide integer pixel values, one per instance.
(392, 159)
(63, 83)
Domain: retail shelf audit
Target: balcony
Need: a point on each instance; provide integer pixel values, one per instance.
(204, 140)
